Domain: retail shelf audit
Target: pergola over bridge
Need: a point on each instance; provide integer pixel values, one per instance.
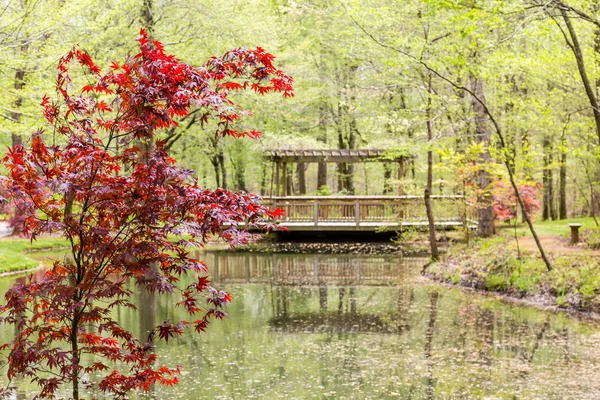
(282, 158)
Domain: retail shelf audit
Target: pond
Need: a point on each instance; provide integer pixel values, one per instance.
(366, 327)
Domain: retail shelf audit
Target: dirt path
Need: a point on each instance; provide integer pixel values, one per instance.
(554, 244)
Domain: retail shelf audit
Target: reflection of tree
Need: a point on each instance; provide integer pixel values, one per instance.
(566, 340)
(345, 319)
(484, 326)
(323, 298)
(528, 358)
(281, 301)
(406, 297)
(352, 295)
(428, 342)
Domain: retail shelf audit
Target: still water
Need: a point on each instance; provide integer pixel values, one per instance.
(357, 327)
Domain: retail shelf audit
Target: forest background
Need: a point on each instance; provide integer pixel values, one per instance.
(404, 76)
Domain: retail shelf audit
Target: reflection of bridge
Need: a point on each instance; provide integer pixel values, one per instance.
(311, 269)
(335, 277)
(368, 213)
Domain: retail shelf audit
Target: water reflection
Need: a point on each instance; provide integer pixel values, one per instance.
(331, 327)
(320, 270)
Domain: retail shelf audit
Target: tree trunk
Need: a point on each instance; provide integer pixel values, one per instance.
(239, 174)
(352, 136)
(289, 181)
(486, 227)
(549, 210)
(432, 237)
(221, 161)
(301, 176)
(546, 197)
(551, 195)
(18, 85)
(573, 42)
(147, 17)
(578, 53)
(322, 166)
(263, 179)
(387, 177)
(215, 163)
(562, 192)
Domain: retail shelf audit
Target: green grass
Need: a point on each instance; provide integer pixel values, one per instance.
(558, 227)
(14, 252)
(15, 261)
(26, 245)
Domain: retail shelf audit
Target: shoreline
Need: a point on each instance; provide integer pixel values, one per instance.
(529, 301)
(21, 271)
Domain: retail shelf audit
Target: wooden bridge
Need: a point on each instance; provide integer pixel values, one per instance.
(356, 213)
(369, 213)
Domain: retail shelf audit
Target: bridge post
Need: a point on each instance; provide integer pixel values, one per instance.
(277, 172)
(357, 213)
(316, 212)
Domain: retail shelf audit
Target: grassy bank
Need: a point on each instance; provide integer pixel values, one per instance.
(557, 227)
(494, 265)
(18, 254)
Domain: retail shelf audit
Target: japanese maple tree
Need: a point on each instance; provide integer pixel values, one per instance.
(505, 201)
(128, 211)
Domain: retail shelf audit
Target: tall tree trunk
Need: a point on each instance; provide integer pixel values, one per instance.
(352, 136)
(546, 197)
(221, 161)
(16, 138)
(239, 173)
(527, 164)
(322, 137)
(19, 83)
(575, 46)
(263, 178)
(562, 192)
(387, 177)
(289, 181)
(301, 177)
(215, 163)
(432, 237)
(486, 227)
(147, 17)
(549, 210)
(572, 41)
(341, 167)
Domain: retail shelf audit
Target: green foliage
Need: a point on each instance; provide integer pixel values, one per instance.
(495, 283)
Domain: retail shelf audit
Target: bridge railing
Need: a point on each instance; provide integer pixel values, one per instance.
(370, 209)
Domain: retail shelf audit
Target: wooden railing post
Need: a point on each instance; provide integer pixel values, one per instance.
(357, 213)
(316, 212)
